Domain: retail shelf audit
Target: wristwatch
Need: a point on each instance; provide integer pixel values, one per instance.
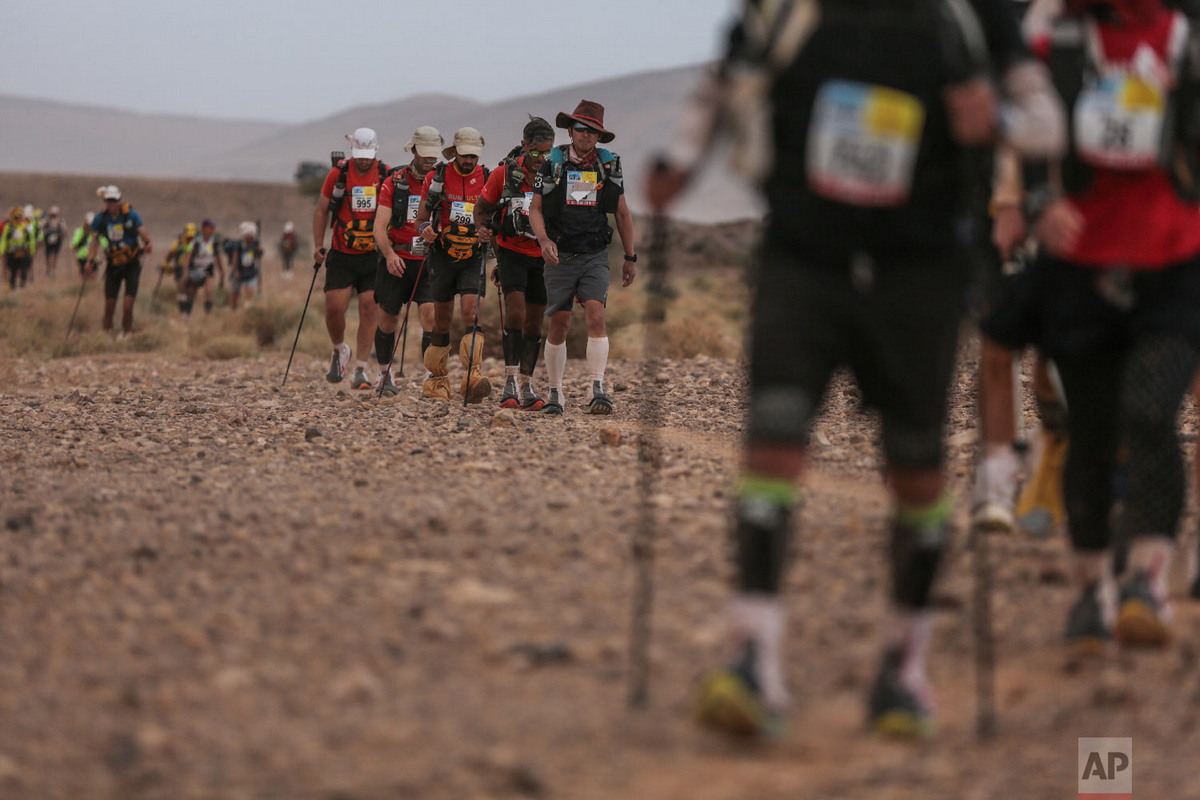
(632, 258)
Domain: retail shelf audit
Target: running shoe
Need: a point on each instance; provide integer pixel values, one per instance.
(730, 700)
(509, 397)
(892, 708)
(994, 496)
(338, 362)
(384, 384)
(599, 402)
(360, 379)
(1140, 615)
(554, 406)
(1087, 633)
(529, 398)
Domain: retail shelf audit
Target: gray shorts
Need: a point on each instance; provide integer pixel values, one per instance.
(582, 276)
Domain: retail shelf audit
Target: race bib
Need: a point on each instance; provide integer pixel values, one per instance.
(1119, 121)
(863, 142)
(248, 259)
(362, 198)
(462, 213)
(116, 232)
(418, 246)
(414, 205)
(520, 205)
(581, 188)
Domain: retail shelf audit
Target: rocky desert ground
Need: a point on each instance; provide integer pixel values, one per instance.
(215, 586)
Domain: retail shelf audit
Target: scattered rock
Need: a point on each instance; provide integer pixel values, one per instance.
(610, 437)
(312, 433)
(504, 418)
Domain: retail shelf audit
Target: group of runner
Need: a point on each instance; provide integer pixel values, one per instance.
(26, 232)
(420, 233)
(199, 260)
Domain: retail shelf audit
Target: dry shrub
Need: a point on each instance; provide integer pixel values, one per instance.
(270, 323)
(228, 346)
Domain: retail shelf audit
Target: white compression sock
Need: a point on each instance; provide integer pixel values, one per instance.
(597, 357)
(556, 364)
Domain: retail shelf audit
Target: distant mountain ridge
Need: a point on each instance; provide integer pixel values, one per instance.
(642, 109)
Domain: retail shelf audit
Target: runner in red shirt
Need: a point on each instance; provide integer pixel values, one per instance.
(455, 257)
(520, 267)
(351, 261)
(1113, 298)
(399, 275)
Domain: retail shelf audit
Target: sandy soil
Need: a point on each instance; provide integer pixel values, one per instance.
(211, 587)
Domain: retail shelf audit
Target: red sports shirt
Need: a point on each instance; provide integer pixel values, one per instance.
(492, 192)
(359, 203)
(405, 235)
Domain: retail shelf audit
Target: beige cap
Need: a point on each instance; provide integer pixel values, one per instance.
(426, 142)
(467, 142)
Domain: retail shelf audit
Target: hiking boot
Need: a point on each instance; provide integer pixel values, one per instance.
(1140, 615)
(360, 380)
(385, 386)
(529, 398)
(476, 390)
(337, 363)
(599, 402)
(509, 397)
(730, 700)
(893, 709)
(554, 406)
(1087, 633)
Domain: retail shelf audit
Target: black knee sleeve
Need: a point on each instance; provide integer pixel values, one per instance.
(427, 339)
(385, 346)
(763, 531)
(511, 342)
(916, 552)
(208, 306)
(437, 339)
(531, 346)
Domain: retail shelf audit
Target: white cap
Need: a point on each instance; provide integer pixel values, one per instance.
(363, 143)
(248, 229)
(28, 212)
(89, 217)
(109, 192)
(289, 226)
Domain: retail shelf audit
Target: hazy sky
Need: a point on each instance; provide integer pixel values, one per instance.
(296, 60)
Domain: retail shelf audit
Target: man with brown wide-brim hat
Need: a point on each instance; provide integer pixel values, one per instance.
(587, 113)
(574, 192)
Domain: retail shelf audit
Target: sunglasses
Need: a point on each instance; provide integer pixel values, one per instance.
(537, 153)
(585, 129)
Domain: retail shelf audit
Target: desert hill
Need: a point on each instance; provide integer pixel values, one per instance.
(643, 109)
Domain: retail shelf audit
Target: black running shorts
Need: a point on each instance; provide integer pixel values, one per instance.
(522, 273)
(392, 293)
(128, 274)
(350, 271)
(452, 277)
(894, 324)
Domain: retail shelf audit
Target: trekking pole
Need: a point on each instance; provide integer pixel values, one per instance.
(475, 327)
(300, 327)
(985, 642)
(403, 339)
(649, 459)
(154, 295)
(78, 300)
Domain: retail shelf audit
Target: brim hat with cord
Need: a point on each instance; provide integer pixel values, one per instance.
(586, 113)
